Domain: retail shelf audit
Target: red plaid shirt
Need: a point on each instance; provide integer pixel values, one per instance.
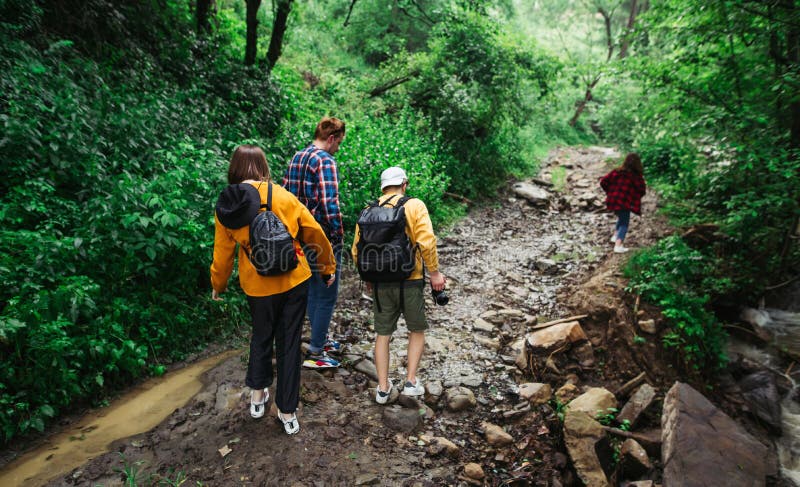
(624, 190)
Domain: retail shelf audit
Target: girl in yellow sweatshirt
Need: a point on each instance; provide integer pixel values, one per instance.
(277, 303)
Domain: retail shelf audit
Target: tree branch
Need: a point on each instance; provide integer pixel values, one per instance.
(349, 12)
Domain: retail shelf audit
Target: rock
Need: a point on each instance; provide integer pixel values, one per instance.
(439, 444)
(495, 435)
(367, 479)
(535, 393)
(648, 326)
(367, 368)
(482, 325)
(581, 435)
(474, 471)
(546, 340)
(490, 343)
(473, 380)
(434, 345)
(702, 445)
(761, 393)
(637, 404)
(433, 390)
(567, 393)
(635, 462)
(534, 194)
(515, 313)
(639, 483)
(460, 398)
(584, 354)
(596, 400)
(546, 266)
(402, 419)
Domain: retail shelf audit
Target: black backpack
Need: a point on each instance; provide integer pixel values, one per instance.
(385, 253)
(272, 249)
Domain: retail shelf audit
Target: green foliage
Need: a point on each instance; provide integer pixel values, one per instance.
(106, 217)
(373, 144)
(681, 281)
(478, 83)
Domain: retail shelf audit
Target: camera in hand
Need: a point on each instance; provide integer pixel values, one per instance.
(440, 297)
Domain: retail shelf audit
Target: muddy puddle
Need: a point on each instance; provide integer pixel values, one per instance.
(139, 410)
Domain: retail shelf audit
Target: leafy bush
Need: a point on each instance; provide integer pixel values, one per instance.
(682, 281)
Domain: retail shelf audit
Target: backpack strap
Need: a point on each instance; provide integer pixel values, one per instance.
(387, 200)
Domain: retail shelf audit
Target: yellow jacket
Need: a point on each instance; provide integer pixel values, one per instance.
(419, 230)
(299, 222)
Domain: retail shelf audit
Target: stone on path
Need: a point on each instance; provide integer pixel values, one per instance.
(460, 398)
(534, 194)
(635, 462)
(535, 393)
(596, 400)
(402, 419)
(496, 436)
(702, 444)
(548, 339)
(637, 404)
(581, 434)
(367, 368)
(761, 393)
(474, 471)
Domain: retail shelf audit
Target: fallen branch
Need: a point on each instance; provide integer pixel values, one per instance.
(391, 84)
(458, 197)
(558, 322)
(630, 385)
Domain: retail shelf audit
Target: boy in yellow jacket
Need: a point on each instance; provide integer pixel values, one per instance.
(406, 297)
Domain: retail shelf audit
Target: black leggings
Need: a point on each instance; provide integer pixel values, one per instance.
(279, 319)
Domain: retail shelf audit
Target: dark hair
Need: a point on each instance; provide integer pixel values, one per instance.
(248, 162)
(633, 163)
(329, 126)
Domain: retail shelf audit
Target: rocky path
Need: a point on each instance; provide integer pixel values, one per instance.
(510, 265)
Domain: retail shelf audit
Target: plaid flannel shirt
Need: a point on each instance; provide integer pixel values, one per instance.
(313, 178)
(624, 190)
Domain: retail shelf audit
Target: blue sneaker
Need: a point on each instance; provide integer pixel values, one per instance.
(319, 361)
(332, 346)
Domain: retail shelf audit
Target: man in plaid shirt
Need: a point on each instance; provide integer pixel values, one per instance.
(312, 177)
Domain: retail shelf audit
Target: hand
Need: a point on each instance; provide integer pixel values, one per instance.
(328, 279)
(215, 296)
(438, 281)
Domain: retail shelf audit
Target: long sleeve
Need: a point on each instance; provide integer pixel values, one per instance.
(224, 251)
(328, 196)
(605, 181)
(422, 234)
(313, 236)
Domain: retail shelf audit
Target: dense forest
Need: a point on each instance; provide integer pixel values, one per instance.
(118, 118)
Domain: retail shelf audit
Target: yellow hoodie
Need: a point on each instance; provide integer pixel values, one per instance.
(299, 222)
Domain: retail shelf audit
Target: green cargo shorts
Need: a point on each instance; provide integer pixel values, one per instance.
(387, 306)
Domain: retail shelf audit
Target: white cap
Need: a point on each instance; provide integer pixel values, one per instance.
(394, 176)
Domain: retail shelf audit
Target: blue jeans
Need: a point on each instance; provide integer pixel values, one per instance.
(321, 301)
(623, 219)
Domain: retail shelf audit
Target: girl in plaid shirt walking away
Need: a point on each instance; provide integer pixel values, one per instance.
(624, 187)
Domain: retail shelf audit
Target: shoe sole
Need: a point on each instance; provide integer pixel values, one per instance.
(413, 394)
(315, 366)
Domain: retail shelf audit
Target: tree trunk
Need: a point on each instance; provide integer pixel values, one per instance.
(203, 14)
(278, 30)
(252, 32)
(582, 104)
(626, 39)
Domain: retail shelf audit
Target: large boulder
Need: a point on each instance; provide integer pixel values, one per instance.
(534, 194)
(761, 393)
(702, 445)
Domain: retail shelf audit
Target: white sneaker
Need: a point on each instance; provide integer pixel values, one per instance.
(614, 238)
(257, 408)
(620, 249)
(413, 389)
(382, 397)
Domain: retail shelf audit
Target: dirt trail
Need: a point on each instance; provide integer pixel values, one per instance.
(511, 257)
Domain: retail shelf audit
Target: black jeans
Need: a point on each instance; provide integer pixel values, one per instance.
(278, 320)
